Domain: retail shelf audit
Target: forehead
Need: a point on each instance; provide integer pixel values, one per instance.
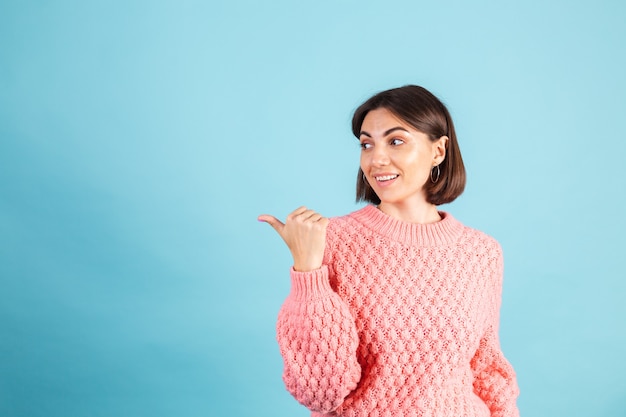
(380, 120)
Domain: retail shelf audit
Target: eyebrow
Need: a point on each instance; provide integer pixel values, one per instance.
(388, 132)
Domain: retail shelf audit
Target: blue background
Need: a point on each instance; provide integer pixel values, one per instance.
(139, 140)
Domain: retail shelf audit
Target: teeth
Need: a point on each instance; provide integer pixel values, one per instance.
(386, 177)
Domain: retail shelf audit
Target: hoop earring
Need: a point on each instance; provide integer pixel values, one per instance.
(433, 178)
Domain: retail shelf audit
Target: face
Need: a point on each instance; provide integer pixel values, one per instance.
(397, 159)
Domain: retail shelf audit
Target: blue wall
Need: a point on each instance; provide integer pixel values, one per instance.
(139, 140)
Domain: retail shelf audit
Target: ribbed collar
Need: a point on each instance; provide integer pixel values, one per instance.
(443, 232)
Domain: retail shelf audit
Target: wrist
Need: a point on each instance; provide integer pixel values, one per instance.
(306, 267)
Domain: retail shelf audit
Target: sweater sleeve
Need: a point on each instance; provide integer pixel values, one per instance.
(495, 381)
(494, 378)
(318, 341)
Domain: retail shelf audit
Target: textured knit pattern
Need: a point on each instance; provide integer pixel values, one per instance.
(401, 320)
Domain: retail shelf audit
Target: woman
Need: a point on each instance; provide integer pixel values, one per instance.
(394, 308)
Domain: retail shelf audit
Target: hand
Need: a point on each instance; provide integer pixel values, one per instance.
(304, 232)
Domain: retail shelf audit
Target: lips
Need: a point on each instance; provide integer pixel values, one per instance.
(385, 178)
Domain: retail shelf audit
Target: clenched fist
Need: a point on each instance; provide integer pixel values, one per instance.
(304, 232)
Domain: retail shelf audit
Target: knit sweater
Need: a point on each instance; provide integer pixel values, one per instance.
(401, 320)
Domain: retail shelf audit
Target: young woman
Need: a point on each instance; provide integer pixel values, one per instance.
(394, 308)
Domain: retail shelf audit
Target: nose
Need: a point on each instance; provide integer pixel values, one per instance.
(380, 157)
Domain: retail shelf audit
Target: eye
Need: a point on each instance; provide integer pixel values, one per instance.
(365, 145)
(396, 142)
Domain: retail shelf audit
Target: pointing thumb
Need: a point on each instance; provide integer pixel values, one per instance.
(272, 221)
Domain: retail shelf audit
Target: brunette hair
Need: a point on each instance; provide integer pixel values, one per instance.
(421, 109)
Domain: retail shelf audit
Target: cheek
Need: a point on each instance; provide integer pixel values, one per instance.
(420, 165)
(417, 160)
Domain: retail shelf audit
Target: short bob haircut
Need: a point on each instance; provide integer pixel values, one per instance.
(419, 108)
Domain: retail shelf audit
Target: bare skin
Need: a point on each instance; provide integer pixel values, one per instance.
(396, 160)
(304, 232)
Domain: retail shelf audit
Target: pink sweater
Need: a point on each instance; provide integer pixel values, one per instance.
(401, 320)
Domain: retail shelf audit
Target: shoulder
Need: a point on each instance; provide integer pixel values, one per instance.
(346, 231)
(480, 242)
(483, 252)
(344, 226)
(342, 233)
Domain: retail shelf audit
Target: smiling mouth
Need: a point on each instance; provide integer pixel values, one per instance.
(384, 178)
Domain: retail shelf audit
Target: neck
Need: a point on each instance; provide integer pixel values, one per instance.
(421, 213)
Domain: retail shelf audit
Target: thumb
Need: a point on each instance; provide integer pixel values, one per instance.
(272, 221)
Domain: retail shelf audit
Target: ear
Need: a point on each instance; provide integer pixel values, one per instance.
(439, 149)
